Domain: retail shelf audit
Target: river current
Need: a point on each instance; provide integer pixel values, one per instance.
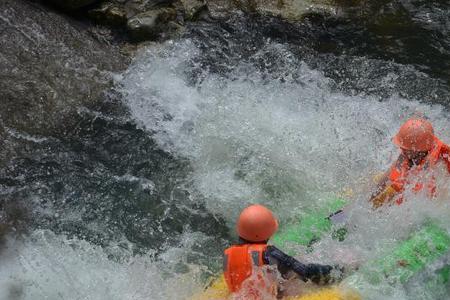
(139, 202)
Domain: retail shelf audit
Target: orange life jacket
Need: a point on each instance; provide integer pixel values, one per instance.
(239, 263)
(401, 172)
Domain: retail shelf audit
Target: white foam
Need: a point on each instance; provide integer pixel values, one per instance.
(254, 139)
(289, 144)
(48, 266)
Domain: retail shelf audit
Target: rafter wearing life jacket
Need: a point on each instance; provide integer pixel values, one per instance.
(246, 261)
(421, 152)
(404, 173)
(243, 265)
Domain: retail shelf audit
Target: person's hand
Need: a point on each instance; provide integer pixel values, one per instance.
(383, 197)
(320, 274)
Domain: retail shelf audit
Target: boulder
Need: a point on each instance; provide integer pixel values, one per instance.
(221, 8)
(293, 10)
(72, 4)
(148, 25)
(110, 14)
(134, 7)
(193, 8)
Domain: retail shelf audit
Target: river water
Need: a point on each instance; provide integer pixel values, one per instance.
(139, 198)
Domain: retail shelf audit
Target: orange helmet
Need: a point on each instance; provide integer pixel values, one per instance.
(256, 223)
(416, 134)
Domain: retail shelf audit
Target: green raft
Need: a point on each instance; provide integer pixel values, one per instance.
(310, 227)
(409, 257)
(398, 264)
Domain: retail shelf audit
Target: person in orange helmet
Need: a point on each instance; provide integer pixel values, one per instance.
(243, 263)
(421, 152)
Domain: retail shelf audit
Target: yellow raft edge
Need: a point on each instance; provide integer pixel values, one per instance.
(218, 290)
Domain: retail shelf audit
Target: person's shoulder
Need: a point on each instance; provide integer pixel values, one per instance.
(445, 151)
(444, 147)
(231, 248)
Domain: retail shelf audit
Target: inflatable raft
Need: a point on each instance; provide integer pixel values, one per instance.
(310, 227)
(218, 291)
(397, 265)
(400, 263)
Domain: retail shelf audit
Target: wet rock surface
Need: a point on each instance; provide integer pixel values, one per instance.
(405, 31)
(72, 4)
(109, 14)
(50, 65)
(148, 25)
(70, 159)
(193, 8)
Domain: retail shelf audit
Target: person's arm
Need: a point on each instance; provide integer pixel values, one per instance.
(446, 156)
(384, 191)
(381, 185)
(314, 272)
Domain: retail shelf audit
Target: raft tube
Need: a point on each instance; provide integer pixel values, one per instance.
(397, 265)
(409, 257)
(218, 290)
(309, 228)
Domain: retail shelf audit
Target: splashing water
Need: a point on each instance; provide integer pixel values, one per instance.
(47, 266)
(289, 143)
(258, 120)
(256, 139)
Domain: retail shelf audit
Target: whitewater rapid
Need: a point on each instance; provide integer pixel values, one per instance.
(289, 142)
(270, 129)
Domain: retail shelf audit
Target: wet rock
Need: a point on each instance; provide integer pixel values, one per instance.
(109, 14)
(220, 8)
(50, 65)
(6, 146)
(134, 7)
(72, 4)
(148, 25)
(286, 9)
(194, 8)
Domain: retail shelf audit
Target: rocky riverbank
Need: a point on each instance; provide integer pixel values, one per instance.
(379, 28)
(71, 160)
(51, 67)
(159, 19)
